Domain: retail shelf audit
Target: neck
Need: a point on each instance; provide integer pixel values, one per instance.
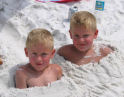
(88, 52)
(35, 71)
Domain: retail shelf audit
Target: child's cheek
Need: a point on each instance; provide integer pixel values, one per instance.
(32, 59)
(89, 40)
(75, 41)
(46, 60)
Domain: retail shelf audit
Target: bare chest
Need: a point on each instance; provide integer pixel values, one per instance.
(80, 60)
(41, 80)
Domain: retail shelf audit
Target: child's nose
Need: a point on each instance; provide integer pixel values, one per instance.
(81, 39)
(39, 59)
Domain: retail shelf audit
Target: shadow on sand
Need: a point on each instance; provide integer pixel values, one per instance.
(8, 8)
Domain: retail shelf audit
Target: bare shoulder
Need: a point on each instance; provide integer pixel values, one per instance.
(105, 50)
(64, 50)
(21, 71)
(57, 69)
(21, 77)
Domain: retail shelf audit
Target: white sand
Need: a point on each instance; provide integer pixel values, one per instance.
(103, 79)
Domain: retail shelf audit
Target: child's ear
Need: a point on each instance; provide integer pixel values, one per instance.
(53, 53)
(96, 34)
(70, 34)
(26, 52)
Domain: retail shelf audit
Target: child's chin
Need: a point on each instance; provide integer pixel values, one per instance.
(82, 49)
(41, 68)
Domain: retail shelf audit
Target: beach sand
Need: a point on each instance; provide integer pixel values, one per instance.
(103, 79)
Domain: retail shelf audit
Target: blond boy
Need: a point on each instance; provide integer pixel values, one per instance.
(83, 31)
(38, 72)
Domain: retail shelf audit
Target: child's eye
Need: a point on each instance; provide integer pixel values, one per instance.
(76, 36)
(85, 36)
(34, 54)
(44, 54)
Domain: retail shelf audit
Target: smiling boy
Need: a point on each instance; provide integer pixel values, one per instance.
(38, 72)
(83, 31)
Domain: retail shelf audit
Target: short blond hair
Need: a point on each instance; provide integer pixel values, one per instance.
(84, 18)
(42, 36)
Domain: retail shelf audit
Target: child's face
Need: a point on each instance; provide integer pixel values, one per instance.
(82, 38)
(39, 56)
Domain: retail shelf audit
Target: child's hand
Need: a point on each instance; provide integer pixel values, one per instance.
(1, 62)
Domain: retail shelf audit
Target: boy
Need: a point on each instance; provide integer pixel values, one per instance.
(38, 72)
(83, 31)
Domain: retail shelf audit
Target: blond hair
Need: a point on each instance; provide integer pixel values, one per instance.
(84, 18)
(42, 36)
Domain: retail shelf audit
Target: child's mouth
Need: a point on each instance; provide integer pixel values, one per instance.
(81, 44)
(39, 64)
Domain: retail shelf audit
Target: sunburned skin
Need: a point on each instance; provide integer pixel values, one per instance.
(83, 51)
(39, 71)
(43, 78)
(70, 53)
(95, 56)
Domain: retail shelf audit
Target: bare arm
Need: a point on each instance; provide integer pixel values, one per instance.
(20, 79)
(60, 51)
(59, 72)
(64, 51)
